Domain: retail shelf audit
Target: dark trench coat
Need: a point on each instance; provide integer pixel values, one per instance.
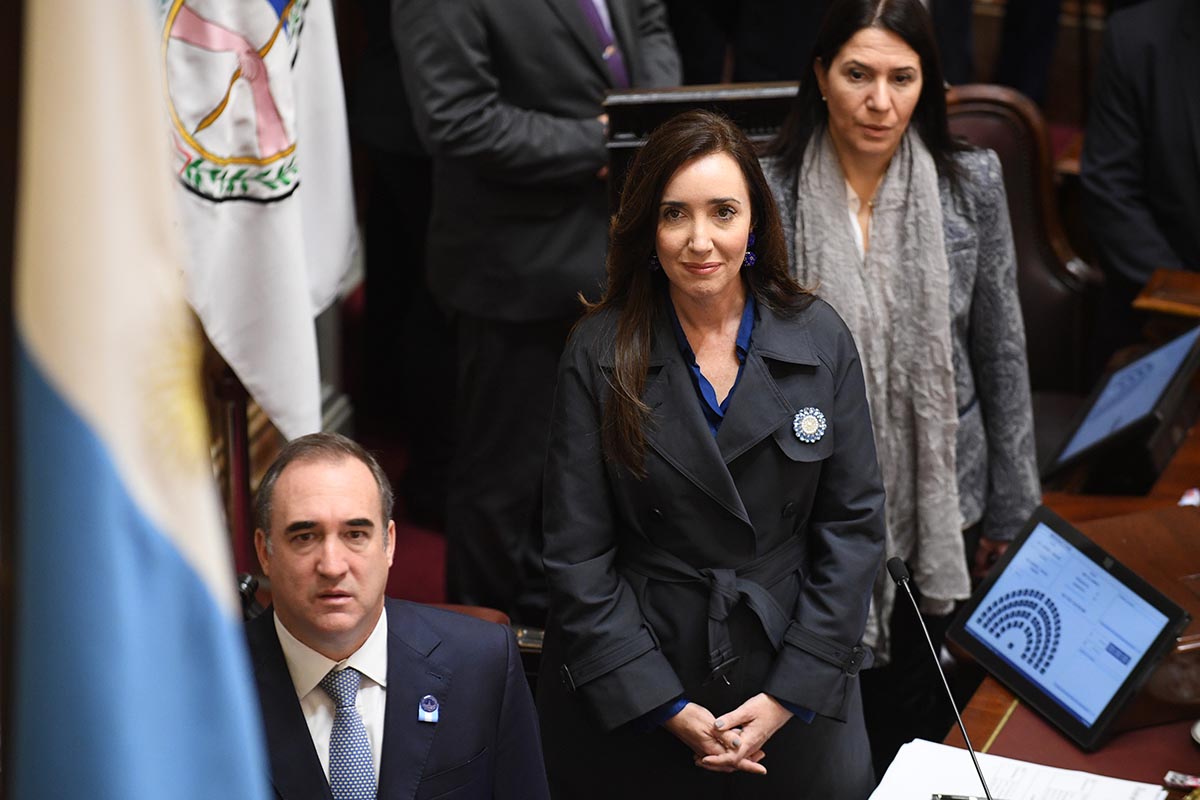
(739, 565)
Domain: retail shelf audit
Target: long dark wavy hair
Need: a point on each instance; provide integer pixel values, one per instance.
(634, 290)
(907, 19)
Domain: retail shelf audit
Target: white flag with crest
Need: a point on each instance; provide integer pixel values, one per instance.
(253, 91)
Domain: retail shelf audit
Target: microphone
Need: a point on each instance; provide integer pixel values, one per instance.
(899, 572)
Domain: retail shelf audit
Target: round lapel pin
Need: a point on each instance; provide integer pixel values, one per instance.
(809, 425)
(428, 709)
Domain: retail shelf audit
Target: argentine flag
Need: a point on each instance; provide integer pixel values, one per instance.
(131, 677)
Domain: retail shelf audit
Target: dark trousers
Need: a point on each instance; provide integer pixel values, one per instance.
(407, 364)
(506, 378)
(1121, 325)
(770, 40)
(1027, 47)
(906, 700)
(952, 23)
(775, 38)
(395, 281)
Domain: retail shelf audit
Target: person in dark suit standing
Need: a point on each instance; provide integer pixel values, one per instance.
(1141, 155)
(762, 40)
(507, 98)
(362, 697)
(714, 510)
(405, 386)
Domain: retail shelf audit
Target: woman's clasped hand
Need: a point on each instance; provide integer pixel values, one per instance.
(742, 734)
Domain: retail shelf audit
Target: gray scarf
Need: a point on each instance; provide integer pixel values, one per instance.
(896, 301)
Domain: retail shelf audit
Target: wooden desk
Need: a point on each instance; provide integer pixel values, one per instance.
(1181, 474)
(1161, 542)
(1000, 724)
(1173, 293)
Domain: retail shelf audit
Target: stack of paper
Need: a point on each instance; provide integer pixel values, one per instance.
(923, 768)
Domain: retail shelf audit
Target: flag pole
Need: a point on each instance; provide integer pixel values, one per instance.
(10, 84)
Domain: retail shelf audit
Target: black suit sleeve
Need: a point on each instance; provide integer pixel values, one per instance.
(1119, 216)
(822, 651)
(656, 48)
(458, 108)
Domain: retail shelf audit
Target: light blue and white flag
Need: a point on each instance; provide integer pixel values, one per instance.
(131, 677)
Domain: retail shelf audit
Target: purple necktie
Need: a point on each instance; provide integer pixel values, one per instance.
(608, 48)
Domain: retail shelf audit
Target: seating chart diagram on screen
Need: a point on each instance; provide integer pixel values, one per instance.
(1065, 624)
(1025, 622)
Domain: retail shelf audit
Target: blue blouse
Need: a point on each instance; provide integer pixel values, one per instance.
(714, 412)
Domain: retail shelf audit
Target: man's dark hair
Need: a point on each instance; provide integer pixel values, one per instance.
(319, 447)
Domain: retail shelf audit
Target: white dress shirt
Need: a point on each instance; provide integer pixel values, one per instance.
(853, 205)
(308, 667)
(602, 9)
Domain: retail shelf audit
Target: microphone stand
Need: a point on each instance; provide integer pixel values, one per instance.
(899, 572)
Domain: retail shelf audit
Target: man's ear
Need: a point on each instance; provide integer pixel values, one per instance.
(260, 547)
(391, 541)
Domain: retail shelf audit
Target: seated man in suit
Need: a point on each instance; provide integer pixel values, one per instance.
(359, 692)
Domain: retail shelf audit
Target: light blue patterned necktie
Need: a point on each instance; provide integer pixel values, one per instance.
(351, 774)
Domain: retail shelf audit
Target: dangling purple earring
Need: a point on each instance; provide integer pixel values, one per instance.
(654, 265)
(750, 258)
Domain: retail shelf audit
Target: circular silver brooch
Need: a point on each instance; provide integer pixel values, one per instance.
(809, 425)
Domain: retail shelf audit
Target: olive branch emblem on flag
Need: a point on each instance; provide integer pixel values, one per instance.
(227, 76)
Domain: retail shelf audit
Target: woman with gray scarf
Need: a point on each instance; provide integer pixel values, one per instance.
(906, 233)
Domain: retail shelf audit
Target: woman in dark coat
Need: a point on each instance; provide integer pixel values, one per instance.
(713, 507)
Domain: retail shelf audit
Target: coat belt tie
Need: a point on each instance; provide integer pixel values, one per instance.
(727, 588)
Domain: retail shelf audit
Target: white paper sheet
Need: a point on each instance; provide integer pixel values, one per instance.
(922, 768)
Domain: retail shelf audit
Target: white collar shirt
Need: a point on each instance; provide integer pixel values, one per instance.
(602, 10)
(308, 667)
(853, 206)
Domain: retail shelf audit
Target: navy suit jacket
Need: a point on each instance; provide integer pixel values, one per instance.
(485, 743)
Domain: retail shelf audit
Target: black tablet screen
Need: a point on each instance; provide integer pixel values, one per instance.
(1065, 624)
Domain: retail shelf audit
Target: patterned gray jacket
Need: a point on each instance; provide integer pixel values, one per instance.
(997, 467)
